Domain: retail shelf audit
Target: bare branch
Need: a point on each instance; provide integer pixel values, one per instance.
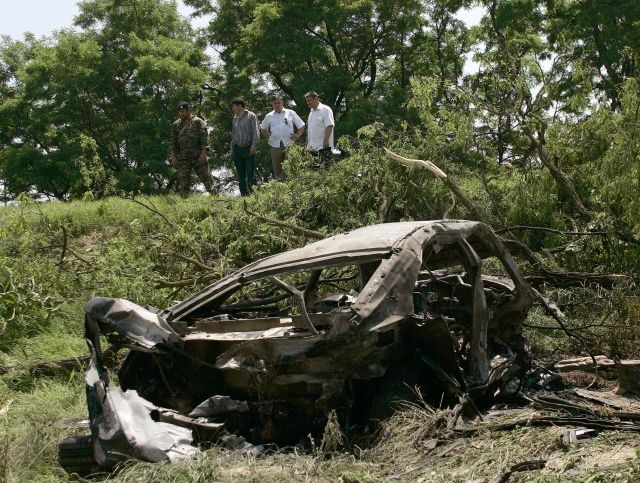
(551, 230)
(296, 229)
(61, 243)
(65, 240)
(435, 170)
(152, 209)
(185, 282)
(198, 263)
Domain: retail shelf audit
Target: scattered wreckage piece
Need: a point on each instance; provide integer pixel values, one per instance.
(628, 371)
(584, 364)
(609, 398)
(124, 424)
(344, 324)
(578, 435)
(573, 408)
(628, 378)
(600, 424)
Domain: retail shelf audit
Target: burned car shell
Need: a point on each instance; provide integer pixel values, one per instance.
(293, 369)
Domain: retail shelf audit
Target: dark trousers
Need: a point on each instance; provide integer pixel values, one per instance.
(321, 158)
(245, 164)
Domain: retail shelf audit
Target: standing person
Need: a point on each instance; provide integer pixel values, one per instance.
(320, 126)
(189, 144)
(283, 127)
(244, 144)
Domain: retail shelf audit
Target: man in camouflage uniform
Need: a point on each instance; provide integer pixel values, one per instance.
(189, 143)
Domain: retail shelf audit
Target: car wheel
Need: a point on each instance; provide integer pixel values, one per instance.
(75, 455)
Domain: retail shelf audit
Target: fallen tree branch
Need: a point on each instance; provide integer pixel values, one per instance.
(63, 244)
(197, 262)
(524, 466)
(459, 194)
(65, 240)
(553, 310)
(258, 302)
(430, 461)
(513, 244)
(153, 209)
(185, 282)
(558, 174)
(626, 236)
(516, 246)
(446, 179)
(576, 278)
(551, 230)
(296, 229)
(550, 401)
(592, 423)
(588, 364)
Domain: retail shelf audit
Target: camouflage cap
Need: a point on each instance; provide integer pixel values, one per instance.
(184, 105)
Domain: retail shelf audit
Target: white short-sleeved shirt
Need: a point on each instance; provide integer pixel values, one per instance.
(281, 125)
(319, 119)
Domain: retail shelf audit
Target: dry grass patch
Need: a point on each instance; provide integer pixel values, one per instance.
(415, 445)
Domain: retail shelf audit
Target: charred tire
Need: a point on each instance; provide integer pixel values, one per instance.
(75, 455)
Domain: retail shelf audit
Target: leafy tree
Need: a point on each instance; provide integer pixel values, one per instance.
(601, 36)
(616, 155)
(522, 88)
(336, 48)
(108, 92)
(34, 151)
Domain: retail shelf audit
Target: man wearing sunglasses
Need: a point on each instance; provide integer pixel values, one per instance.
(282, 127)
(189, 144)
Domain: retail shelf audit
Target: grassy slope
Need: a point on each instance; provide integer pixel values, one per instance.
(118, 248)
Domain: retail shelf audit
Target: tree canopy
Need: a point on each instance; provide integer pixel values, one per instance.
(88, 109)
(91, 109)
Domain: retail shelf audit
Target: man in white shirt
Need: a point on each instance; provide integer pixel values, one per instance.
(321, 125)
(282, 127)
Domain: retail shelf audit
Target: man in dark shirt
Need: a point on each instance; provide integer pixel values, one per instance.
(189, 143)
(245, 137)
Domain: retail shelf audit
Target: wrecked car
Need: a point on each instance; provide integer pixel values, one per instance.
(344, 324)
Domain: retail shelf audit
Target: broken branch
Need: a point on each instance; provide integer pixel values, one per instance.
(61, 243)
(153, 209)
(559, 317)
(296, 229)
(436, 171)
(47, 368)
(198, 263)
(524, 466)
(593, 423)
(185, 282)
(551, 230)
